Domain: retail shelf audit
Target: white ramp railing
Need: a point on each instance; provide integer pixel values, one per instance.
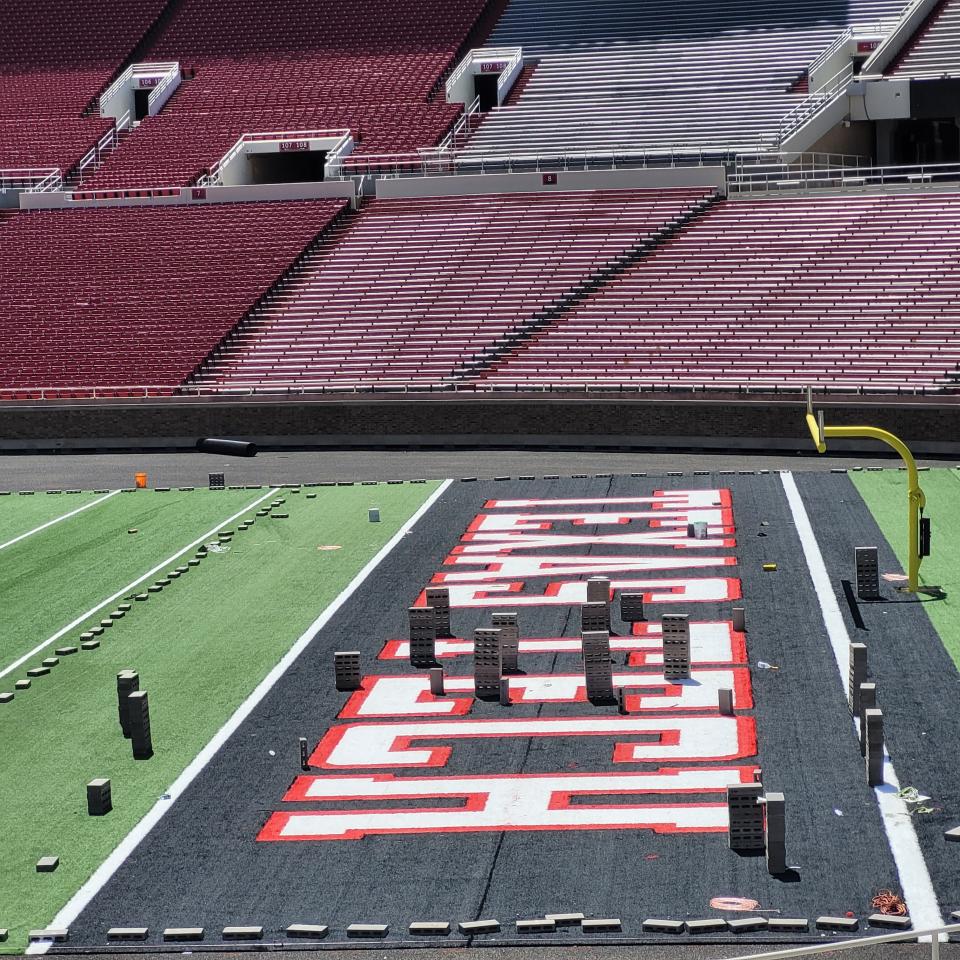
(827, 92)
(31, 179)
(461, 128)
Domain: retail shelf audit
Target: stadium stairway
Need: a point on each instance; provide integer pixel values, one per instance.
(582, 291)
(419, 292)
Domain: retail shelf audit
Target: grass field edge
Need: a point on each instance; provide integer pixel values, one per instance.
(76, 904)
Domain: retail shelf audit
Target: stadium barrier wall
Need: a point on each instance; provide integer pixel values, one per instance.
(259, 193)
(539, 182)
(652, 421)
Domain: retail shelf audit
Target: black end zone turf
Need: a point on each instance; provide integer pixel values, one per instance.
(202, 864)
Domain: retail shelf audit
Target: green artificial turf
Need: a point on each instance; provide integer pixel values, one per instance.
(886, 495)
(49, 579)
(21, 514)
(200, 646)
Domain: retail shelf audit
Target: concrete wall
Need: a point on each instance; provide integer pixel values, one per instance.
(256, 193)
(476, 185)
(468, 422)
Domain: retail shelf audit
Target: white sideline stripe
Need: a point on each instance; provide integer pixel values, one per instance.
(911, 866)
(109, 867)
(50, 523)
(116, 596)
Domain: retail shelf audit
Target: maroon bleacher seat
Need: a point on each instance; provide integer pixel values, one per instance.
(843, 291)
(55, 58)
(414, 291)
(137, 295)
(367, 65)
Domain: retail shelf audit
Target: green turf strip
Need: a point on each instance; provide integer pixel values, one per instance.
(200, 647)
(49, 579)
(19, 515)
(886, 496)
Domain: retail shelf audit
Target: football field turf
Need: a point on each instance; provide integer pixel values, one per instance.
(201, 644)
(885, 493)
(458, 808)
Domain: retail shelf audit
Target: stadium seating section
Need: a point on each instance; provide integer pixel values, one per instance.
(618, 75)
(836, 291)
(286, 65)
(934, 50)
(55, 58)
(621, 288)
(136, 296)
(415, 290)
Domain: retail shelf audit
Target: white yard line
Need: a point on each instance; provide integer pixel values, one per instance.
(912, 867)
(50, 523)
(125, 590)
(109, 867)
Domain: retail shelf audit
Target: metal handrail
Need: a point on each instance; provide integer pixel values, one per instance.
(171, 77)
(427, 163)
(831, 49)
(450, 385)
(33, 179)
(511, 63)
(811, 104)
(449, 142)
(117, 84)
(787, 176)
(434, 163)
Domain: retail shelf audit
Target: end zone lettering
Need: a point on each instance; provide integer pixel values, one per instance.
(394, 721)
(521, 802)
(393, 696)
(569, 593)
(366, 745)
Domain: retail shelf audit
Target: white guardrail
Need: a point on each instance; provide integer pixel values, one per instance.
(463, 126)
(443, 162)
(435, 162)
(834, 87)
(777, 177)
(398, 385)
(34, 179)
(94, 156)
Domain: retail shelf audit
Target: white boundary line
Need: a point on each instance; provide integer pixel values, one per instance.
(109, 867)
(116, 596)
(915, 878)
(50, 523)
